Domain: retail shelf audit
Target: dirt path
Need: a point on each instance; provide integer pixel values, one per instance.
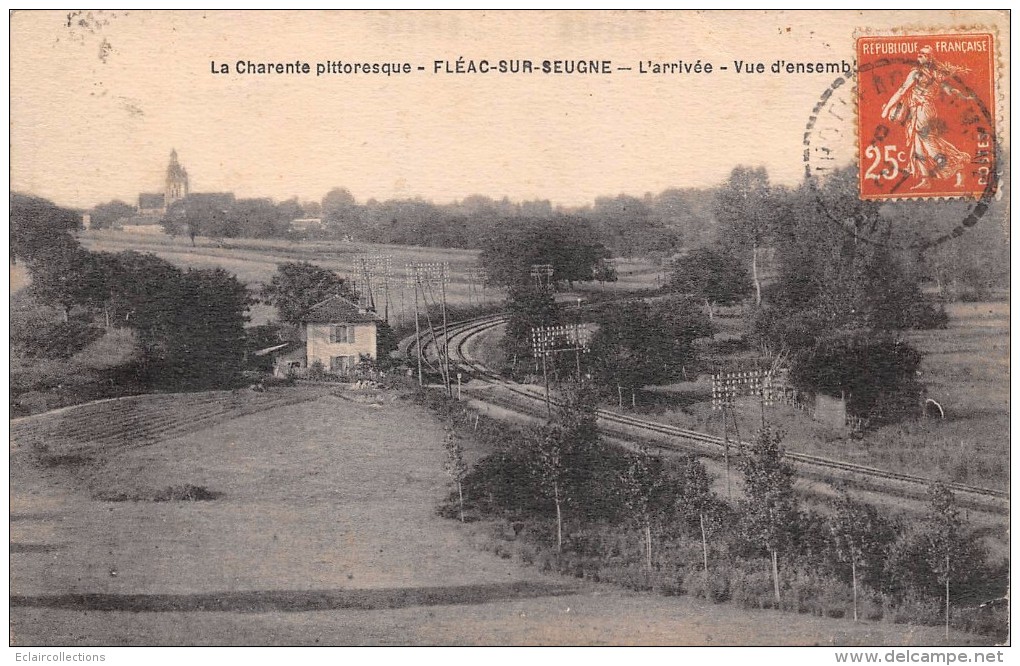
(326, 533)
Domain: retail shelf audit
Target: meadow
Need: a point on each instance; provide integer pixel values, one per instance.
(965, 369)
(317, 525)
(254, 262)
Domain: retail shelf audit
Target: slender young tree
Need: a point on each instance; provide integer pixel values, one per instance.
(770, 507)
(455, 465)
(552, 473)
(946, 545)
(746, 206)
(643, 482)
(854, 528)
(694, 499)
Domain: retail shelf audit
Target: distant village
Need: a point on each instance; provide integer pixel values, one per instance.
(153, 206)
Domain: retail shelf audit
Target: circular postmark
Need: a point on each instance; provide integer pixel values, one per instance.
(836, 139)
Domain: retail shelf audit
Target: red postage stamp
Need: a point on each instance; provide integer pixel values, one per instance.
(925, 113)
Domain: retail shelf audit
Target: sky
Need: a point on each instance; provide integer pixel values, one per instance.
(99, 100)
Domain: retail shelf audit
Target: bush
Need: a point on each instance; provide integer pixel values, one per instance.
(877, 374)
(914, 608)
(61, 339)
(713, 587)
(752, 588)
(819, 595)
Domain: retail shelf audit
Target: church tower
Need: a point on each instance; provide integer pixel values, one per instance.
(176, 181)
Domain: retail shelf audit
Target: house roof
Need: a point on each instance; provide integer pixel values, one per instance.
(339, 310)
(151, 200)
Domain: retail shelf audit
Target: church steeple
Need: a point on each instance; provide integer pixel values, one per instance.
(176, 180)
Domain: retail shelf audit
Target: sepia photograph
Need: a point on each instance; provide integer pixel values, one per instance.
(510, 328)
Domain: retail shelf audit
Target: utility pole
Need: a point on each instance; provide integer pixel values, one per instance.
(424, 275)
(417, 337)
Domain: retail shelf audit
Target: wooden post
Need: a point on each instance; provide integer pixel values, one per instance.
(775, 576)
(704, 545)
(559, 518)
(947, 596)
(619, 394)
(853, 576)
(417, 333)
(548, 401)
(446, 335)
(726, 450)
(648, 544)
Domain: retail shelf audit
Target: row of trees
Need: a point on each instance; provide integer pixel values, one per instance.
(839, 293)
(222, 216)
(635, 342)
(189, 324)
(628, 225)
(564, 473)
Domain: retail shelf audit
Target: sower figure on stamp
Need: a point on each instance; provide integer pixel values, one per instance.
(931, 156)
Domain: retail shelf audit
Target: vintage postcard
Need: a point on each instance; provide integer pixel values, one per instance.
(507, 328)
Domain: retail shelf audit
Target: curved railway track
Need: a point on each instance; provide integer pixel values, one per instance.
(681, 439)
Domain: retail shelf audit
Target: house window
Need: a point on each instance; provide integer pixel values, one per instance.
(341, 364)
(341, 333)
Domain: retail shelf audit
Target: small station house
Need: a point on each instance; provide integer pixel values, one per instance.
(338, 333)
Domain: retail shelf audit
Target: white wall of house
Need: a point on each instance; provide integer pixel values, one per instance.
(320, 347)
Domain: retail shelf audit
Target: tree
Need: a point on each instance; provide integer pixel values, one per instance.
(567, 244)
(205, 214)
(857, 533)
(104, 215)
(947, 549)
(770, 508)
(39, 227)
(203, 342)
(61, 276)
(605, 272)
(644, 484)
(258, 218)
(639, 344)
(877, 374)
(547, 451)
(842, 296)
(746, 207)
(141, 292)
(297, 286)
(340, 212)
(694, 497)
(386, 342)
(528, 307)
(455, 465)
(711, 275)
(628, 226)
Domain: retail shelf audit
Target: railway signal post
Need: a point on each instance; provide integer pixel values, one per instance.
(546, 340)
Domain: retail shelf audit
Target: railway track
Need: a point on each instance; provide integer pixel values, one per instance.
(681, 439)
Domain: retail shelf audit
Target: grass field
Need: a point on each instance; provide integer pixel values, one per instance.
(254, 262)
(323, 531)
(965, 368)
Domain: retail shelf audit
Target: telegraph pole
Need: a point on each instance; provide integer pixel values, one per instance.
(417, 337)
(424, 275)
